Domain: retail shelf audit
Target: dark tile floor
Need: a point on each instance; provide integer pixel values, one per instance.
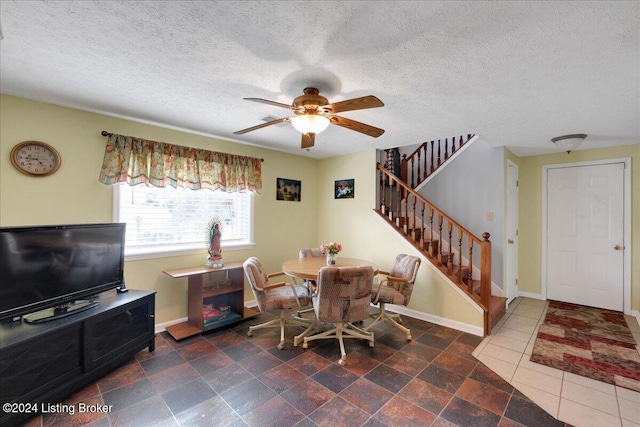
(225, 378)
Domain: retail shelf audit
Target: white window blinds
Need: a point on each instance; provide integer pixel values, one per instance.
(167, 221)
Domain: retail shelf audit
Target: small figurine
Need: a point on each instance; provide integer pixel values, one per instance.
(214, 235)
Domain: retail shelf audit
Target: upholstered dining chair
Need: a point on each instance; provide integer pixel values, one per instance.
(311, 284)
(343, 296)
(395, 289)
(275, 296)
(313, 252)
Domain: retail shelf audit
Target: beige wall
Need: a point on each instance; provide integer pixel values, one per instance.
(530, 213)
(74, 195)
(365, 235)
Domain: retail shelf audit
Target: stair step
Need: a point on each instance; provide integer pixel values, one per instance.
(446, 257)
(416, 233)
(431, 244)
(497, 310)
(465, 272)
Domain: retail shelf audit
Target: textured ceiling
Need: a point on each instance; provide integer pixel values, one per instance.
(516, 73)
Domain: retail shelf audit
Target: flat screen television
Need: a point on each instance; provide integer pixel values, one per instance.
(48, 272)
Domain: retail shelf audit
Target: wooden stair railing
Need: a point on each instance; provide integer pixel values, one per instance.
(449, 246)
(427, 158)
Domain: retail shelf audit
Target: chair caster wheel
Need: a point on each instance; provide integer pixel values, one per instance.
(370, 343)
(409, 337)
(280, 346)
(249, 333)
(305, 345)
(342, 362)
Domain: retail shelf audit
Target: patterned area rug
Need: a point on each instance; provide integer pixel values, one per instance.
(591, 342)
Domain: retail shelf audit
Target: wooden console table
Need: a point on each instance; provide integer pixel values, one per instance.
(218, 286)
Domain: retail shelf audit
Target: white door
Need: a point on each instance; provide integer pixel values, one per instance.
(512, 231)
(585, 235)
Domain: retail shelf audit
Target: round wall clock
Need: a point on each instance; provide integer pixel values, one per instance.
(35, 158)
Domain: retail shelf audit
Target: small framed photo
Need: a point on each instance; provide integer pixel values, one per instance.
(288, 189)
(345, 189)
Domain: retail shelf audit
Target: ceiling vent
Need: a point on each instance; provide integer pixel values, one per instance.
(272, 118)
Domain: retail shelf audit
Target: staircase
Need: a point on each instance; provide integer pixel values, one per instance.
(464, 258)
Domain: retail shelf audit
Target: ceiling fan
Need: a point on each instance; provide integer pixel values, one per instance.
(313, 114)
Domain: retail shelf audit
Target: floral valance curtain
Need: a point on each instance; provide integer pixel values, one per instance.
(140, 161)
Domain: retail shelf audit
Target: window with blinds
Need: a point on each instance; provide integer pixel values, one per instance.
(173, 221)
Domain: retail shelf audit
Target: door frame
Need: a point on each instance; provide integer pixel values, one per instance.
(508, 205)
(626, 274)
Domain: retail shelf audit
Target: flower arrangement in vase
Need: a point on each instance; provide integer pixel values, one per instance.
(331, 250)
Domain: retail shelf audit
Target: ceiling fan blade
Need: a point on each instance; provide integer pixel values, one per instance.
(357, 126)
(353, 104)
(308, 140)
(266, 101)
(272, 122)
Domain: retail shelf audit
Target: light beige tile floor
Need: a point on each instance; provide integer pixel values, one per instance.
(571, 398)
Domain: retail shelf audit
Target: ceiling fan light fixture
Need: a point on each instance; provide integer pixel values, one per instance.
(310, 123)
(569, 143)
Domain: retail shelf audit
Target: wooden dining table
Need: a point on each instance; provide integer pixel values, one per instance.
(308, 267)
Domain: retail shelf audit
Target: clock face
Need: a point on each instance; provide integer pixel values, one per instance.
(35, 158)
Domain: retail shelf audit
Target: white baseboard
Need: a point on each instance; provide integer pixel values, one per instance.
(636, 314)
(464, 327)
(454, 324)
(161, 327)
(530, 295)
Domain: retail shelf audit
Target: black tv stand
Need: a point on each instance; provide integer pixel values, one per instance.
(60, 311)
(45, 362)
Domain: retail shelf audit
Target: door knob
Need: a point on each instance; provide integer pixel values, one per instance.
(617, 247)
(510, 242)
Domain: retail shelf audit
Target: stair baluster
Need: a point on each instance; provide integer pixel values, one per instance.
(426, 170)
(416, 231)
(485, 278)
(459, 255)
(383, 194)
(422, 240)
(470, 266)
(433, 164)
(450, 255)
(446, 149)
(431, 212)
(418, 170)
(399, 203)
(440, 220)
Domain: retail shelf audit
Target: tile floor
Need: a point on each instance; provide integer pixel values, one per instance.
(568, 397)
(228, 379)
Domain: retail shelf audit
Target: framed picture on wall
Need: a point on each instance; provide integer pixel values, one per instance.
(344, 189)
(288, 189)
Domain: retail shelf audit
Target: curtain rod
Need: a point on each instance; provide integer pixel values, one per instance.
(105, 133)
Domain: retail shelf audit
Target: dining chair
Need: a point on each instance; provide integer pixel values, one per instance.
(311, 284)
(395, 289)
(275, 296)
(313, 252)
(342, 297)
